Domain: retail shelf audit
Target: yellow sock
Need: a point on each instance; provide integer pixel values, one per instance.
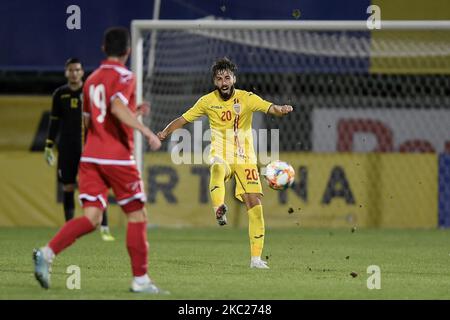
(217, 184)
(256, 230)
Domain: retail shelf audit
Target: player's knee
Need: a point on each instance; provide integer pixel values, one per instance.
(217, 169)
(135, 209)
(252, 200)
(137, 216)
(94, 215)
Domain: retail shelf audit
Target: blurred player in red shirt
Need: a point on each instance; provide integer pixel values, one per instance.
(110, 115)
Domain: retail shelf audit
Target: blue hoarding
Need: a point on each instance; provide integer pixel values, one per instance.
(34, 34)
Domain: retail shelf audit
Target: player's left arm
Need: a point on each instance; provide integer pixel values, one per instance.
(122, 91)
(280, 111)
(127, 117)
(258, 104)
(143, 109)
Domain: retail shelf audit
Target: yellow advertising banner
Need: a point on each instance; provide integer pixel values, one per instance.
(332, 190)
(19, 120)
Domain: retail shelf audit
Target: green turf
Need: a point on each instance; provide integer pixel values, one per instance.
(214, 264)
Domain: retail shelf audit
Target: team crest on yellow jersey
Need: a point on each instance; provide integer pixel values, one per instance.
(237, 108)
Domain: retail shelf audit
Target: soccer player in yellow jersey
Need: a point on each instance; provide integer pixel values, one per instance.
(230, 113)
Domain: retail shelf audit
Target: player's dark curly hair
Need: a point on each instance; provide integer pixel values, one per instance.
(71, 61)
(223, 64)
(116, 41)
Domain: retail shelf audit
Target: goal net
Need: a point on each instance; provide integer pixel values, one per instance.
(370, 131)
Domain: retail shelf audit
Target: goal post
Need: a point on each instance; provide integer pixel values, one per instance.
(355, 91)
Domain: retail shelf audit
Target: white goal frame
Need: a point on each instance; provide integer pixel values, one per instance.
(138, 26)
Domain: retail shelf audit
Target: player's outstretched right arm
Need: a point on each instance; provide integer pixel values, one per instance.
(124, 114)
(171, 127)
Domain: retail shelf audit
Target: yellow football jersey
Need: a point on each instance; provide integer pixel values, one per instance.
(230, 122)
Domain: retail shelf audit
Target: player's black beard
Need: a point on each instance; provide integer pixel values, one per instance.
(225, 97)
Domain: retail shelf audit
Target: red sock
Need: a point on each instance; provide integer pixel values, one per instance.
(137, 246)
(72, 230)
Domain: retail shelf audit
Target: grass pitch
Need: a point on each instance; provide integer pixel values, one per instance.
(213, 263)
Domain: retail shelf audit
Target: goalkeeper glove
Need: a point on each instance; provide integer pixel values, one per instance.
(48, 154)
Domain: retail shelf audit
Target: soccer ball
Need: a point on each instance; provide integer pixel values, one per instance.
(279, 175)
